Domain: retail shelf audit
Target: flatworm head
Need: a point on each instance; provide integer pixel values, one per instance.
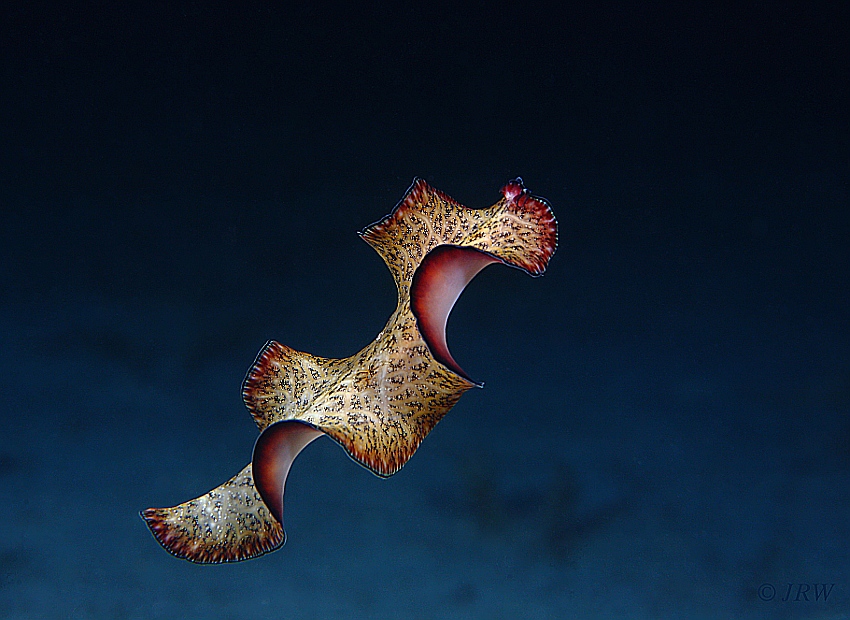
(520, 229)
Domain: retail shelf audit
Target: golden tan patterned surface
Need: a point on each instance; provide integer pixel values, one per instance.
(228, 524)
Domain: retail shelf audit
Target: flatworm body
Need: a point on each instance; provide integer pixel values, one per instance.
(380, 403)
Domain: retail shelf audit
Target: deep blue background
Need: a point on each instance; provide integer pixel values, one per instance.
(665, 424)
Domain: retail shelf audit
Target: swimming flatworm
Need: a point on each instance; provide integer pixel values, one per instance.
(380, 403)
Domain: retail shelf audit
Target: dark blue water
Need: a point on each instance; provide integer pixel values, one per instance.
(664, 430)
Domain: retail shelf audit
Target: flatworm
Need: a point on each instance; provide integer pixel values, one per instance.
(380, 403)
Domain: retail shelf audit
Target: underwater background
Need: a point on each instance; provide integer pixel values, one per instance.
(664, 430)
